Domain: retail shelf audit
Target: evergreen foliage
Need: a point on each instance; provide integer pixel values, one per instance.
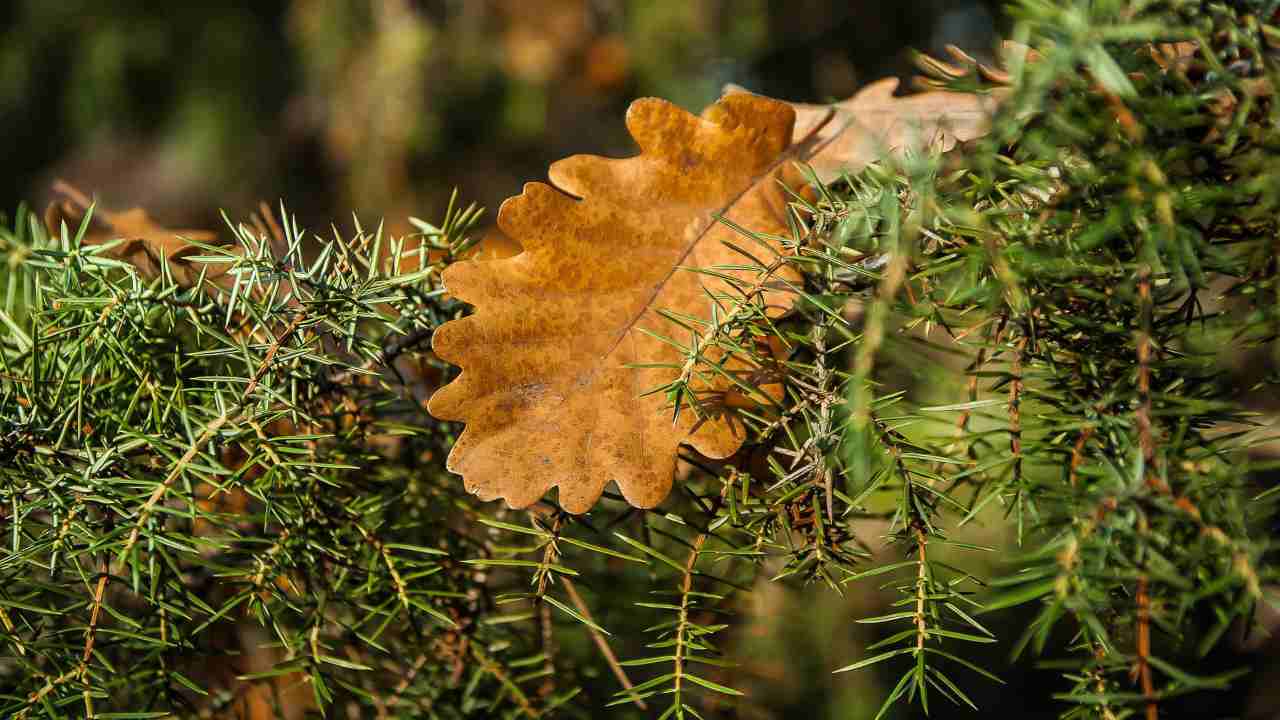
(1036, 334)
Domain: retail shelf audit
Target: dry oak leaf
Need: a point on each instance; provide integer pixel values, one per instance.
(938, 72)
(561, 348)
(875, 121)
(146, 243)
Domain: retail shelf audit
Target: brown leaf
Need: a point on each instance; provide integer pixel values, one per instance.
(875, 122)
(146, 243)
(939, 72)
(561, 348)
(548, 391)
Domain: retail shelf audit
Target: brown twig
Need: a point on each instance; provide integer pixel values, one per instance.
(49, 686)
(542, 610)
(163, 488)
(494, 669)
(1147, 443)
(73, 193)
(1077, 453)
(601, 643)
(1015, 410)
(686, 586)
(91, 631)
(206, 435)
(822, 378)
(1143, 668)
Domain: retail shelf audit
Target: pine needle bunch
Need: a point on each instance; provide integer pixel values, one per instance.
(1089, 261)
(1112, 235)
(227, 495)
(222, 499)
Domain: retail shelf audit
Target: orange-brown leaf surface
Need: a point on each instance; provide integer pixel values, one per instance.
(566, 337)
(146, 245)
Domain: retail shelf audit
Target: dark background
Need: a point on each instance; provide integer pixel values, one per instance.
(384, 106)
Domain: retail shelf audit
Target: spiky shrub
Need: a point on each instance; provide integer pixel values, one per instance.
(226, 498)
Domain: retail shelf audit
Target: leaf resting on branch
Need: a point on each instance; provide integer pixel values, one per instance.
(569, 336)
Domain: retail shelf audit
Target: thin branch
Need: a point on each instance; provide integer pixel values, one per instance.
(601, 643)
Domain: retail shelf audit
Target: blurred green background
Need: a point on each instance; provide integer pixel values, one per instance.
(383, 107)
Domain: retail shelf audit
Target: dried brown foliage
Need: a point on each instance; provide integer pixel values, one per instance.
(146, 244)
(568, 336)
